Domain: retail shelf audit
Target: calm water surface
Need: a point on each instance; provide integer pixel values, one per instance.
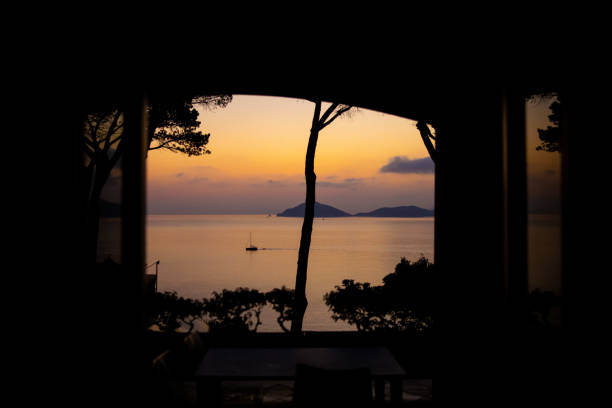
(200, 254)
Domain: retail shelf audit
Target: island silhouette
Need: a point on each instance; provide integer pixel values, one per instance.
(327, 211)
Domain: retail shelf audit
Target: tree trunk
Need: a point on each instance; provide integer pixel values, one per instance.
(281, 323)
(102, 174)
(93, 213)
(302, 265)
(92, 230)
(425, 134)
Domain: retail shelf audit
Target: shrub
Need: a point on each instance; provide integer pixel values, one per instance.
(234, 310)
(404, 301)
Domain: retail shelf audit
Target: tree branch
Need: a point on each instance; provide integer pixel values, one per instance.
(340, 112)
(90, 144)
(156, 147)
(94, 130)
(91, 125)
(93, 134)
(111, 131)
(112, 142)
(281, 323)
(426, 135)
(164, 144)
(89, 151)
(119, 127)
(117, 155)
(328, 112)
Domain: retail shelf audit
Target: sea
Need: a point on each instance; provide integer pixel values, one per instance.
(202, 254)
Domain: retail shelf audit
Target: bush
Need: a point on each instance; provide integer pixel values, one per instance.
(169, 312)
(282, 301)
(404, 301)
(234, 310)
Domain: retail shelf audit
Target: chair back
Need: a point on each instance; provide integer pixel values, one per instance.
(168, 387)
(163, 374)
(318, 386)
(195, 345)
(164, 365)
(190, 354)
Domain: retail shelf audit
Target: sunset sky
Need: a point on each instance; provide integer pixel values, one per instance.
(258, 144)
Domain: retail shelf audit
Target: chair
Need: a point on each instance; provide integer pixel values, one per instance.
(195, 345)
(316, 386)
(168, 388)
(190, 354)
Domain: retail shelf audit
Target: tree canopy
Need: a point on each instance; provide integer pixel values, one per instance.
(282, 301)
(234, 310)
(173, 126)
(174, 123)
(550, 137)
(403, 303)
(169, 312)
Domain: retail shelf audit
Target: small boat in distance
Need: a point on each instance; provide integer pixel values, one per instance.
(251, 247)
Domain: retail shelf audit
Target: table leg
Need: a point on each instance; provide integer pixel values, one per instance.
(396, 391)
(379, 390)
(209, 392)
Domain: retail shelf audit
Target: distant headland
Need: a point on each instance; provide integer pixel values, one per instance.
(321, 211)
(327, 211)
(403, 211)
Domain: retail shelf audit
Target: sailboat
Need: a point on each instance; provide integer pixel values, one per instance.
(251, 247)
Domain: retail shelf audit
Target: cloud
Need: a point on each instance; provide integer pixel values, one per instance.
(180, 174)
(404, 165)
(197, 180)
(276, 183)
(272, 183)
(346, 183)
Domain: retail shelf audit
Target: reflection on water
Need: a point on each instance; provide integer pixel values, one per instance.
(200, 254)
(109, 240)
(544, 197)
(545, 252)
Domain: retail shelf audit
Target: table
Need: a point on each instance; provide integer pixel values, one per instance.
(235, 364)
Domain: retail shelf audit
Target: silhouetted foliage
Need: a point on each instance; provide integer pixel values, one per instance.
(174, 123)
(359, 304)
(409, 289)
(282, 301)
(551, 136)
(169, 312)
(403, 302)
(173, 126)
(229, 311)
(236, 311)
